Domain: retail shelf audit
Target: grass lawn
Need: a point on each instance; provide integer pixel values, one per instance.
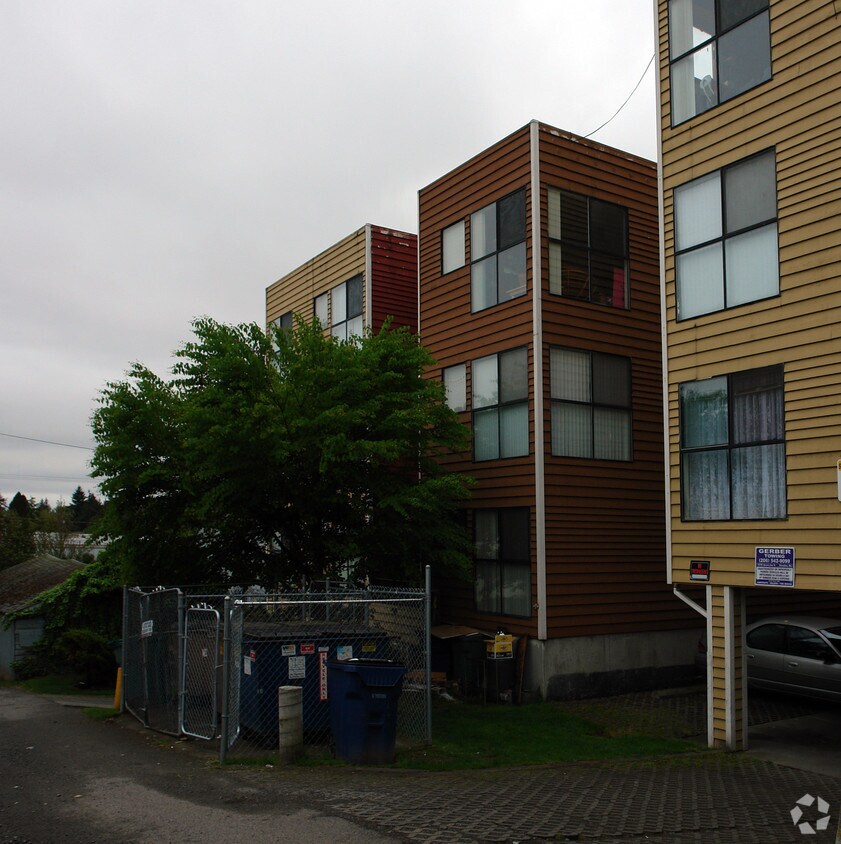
(471, 735)
(58, 684)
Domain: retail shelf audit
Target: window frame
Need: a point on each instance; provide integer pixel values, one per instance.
(349, 317)
(711, 44)
(503, 565)
(731, 445)
(566, 242)
(463, 381)
(497, 252)
(325, 298)
(500, 404)
(725, 237)
(460, 229)
(593, 404)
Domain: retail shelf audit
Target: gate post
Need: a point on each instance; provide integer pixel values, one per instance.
(226, 675)
(427, 644)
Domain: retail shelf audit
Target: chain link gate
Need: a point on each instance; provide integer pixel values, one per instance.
(202, 661)
(152, 657)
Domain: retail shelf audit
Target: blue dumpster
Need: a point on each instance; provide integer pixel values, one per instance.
(363, 708)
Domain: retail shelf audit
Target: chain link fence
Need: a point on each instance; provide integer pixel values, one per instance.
(209, 665)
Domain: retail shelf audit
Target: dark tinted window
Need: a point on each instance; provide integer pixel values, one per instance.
(769, 637)
(807, 643)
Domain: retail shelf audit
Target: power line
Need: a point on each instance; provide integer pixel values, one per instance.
(46, 442)
(626, 101)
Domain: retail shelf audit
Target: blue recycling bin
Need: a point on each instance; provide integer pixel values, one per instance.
(363, 695)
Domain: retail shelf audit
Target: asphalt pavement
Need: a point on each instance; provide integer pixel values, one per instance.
(64, 778)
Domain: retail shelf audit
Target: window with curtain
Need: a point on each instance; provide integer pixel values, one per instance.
(732, 447)
(726, 237)
(455, 386)
(718, 49)
(498, 252)
(588, 249)
(591, 405)
(452, 247)
(500, 405)
(501, 541)
(347, 309)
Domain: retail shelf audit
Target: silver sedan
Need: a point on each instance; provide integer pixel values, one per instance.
(795, 654)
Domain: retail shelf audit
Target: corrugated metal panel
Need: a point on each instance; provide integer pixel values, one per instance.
(394, 271)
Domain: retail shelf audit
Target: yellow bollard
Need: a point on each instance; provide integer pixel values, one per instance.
(118, 691)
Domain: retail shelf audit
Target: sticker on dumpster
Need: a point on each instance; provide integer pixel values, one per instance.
(344, 652)
(308, 649)
(253, 655)
(297, 668)
(369, 647)
(246, 665)
(323, 649)
(147, 628)
(322, 673)
(288, 650)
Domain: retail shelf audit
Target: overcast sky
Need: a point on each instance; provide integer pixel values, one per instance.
(164, 161)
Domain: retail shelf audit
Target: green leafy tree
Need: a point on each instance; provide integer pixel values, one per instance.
(266, 458)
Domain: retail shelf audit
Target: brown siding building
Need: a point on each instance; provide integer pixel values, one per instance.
(750, 137)
(357, 283)
(540, 301)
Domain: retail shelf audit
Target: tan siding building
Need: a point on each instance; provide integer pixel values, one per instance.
(539, 299)
(750, 137)
(359, 282)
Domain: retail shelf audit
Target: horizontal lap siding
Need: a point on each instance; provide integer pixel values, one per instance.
(296, 290)
(798, 112)
(452, 334)
(605, 521)
(394, 278)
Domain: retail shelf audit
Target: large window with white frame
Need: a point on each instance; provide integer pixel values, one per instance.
(718, 49)
(498, 252)
(591, 405)
(732, 446)
(500, 405)
(502, 558)
(347, 309)
(588, 248)
(726, 237)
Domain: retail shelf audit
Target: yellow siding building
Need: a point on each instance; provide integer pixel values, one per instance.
(750, 186)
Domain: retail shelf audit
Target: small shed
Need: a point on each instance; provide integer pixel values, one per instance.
(20, 585)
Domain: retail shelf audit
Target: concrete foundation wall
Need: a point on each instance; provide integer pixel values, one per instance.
(594, 666)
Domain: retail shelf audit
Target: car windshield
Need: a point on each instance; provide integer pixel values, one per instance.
(834, 636)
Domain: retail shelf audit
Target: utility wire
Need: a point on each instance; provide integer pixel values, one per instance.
(47, 442)
(626, 101)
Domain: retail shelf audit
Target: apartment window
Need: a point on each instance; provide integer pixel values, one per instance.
(502, 555)
(726, 237)
(588, 249)
(284, 322)
(498, 252)
(321, 309)
(347, 309)
(718, 49)
(455, 386)
(732, 446)
(452, 247)
(591, 405)
(500, 405)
